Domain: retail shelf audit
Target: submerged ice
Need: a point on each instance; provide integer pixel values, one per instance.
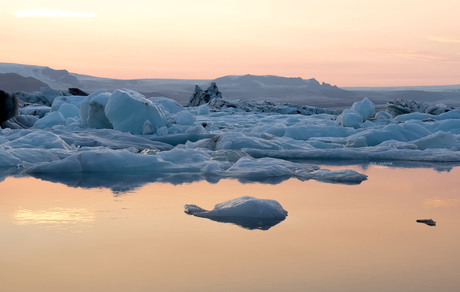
(59, 135)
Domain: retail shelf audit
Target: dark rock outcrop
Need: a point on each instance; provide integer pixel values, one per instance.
(77, 91)
(201, 97)
(9, 106)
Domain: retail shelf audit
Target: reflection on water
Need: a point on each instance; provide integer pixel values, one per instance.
(53, 217)
(121, 182)
(337, 238)
(248, 222)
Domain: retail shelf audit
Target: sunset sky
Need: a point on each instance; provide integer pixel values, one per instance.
(347, 43)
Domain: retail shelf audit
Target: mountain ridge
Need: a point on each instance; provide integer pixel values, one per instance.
(245, 87)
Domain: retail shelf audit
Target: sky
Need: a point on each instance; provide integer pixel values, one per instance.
(346, 43)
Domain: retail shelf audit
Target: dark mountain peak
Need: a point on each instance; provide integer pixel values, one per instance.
(12, 82)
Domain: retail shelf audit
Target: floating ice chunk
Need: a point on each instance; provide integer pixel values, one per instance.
(162, 131)
(307, 132)
(45, 96)
(184, 118)
(241, 207)
(248, 212)
(239, 141)
(263, 168)
(105, 160)
(413, 116)
(365, 108)
(109, 138)
(38, 139)
(35, 110)
(381, 115)
(92, 112)
(359, 113)
(438, 140)
(128, 110)
(71, 164)
(36, 155)
(346, 176)
(69, 110)
(148, 128)
(50, 120)
(350, 118)
(9, 160)
(168, 105)
(184, 156)
(61, 100)
(399, 132)
(20, 122)
(379, 153)
(212, 169)
(203, 109)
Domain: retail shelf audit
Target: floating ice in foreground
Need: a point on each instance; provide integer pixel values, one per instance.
(247, 212)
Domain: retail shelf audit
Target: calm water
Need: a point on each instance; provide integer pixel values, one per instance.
(335, 238)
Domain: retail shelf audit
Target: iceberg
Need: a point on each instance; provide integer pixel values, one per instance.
(247, 212)
(128, 111)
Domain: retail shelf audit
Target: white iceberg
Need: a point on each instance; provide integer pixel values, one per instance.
(248, 212)
(128, 111)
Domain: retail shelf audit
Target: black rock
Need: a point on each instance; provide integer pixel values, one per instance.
(9, 106)
(77, 91)
(429, 222)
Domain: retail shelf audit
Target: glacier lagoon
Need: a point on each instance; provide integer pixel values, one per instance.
(336, 237)
(96, 195)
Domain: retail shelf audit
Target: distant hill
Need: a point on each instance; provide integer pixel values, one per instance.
(246, 87)
(280, 89)
(58, 79)
(12, 82)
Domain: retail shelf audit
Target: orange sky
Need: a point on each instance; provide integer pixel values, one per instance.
(347, 43)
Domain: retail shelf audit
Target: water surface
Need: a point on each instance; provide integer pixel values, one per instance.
(336, 237)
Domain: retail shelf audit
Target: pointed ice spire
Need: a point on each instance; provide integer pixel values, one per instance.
(200, 97)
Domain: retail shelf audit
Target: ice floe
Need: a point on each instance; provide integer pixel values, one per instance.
(62, 135)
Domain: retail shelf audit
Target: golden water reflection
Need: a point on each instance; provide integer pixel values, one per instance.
(53, 217)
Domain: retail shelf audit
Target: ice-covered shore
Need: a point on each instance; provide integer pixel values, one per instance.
(124, 132)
